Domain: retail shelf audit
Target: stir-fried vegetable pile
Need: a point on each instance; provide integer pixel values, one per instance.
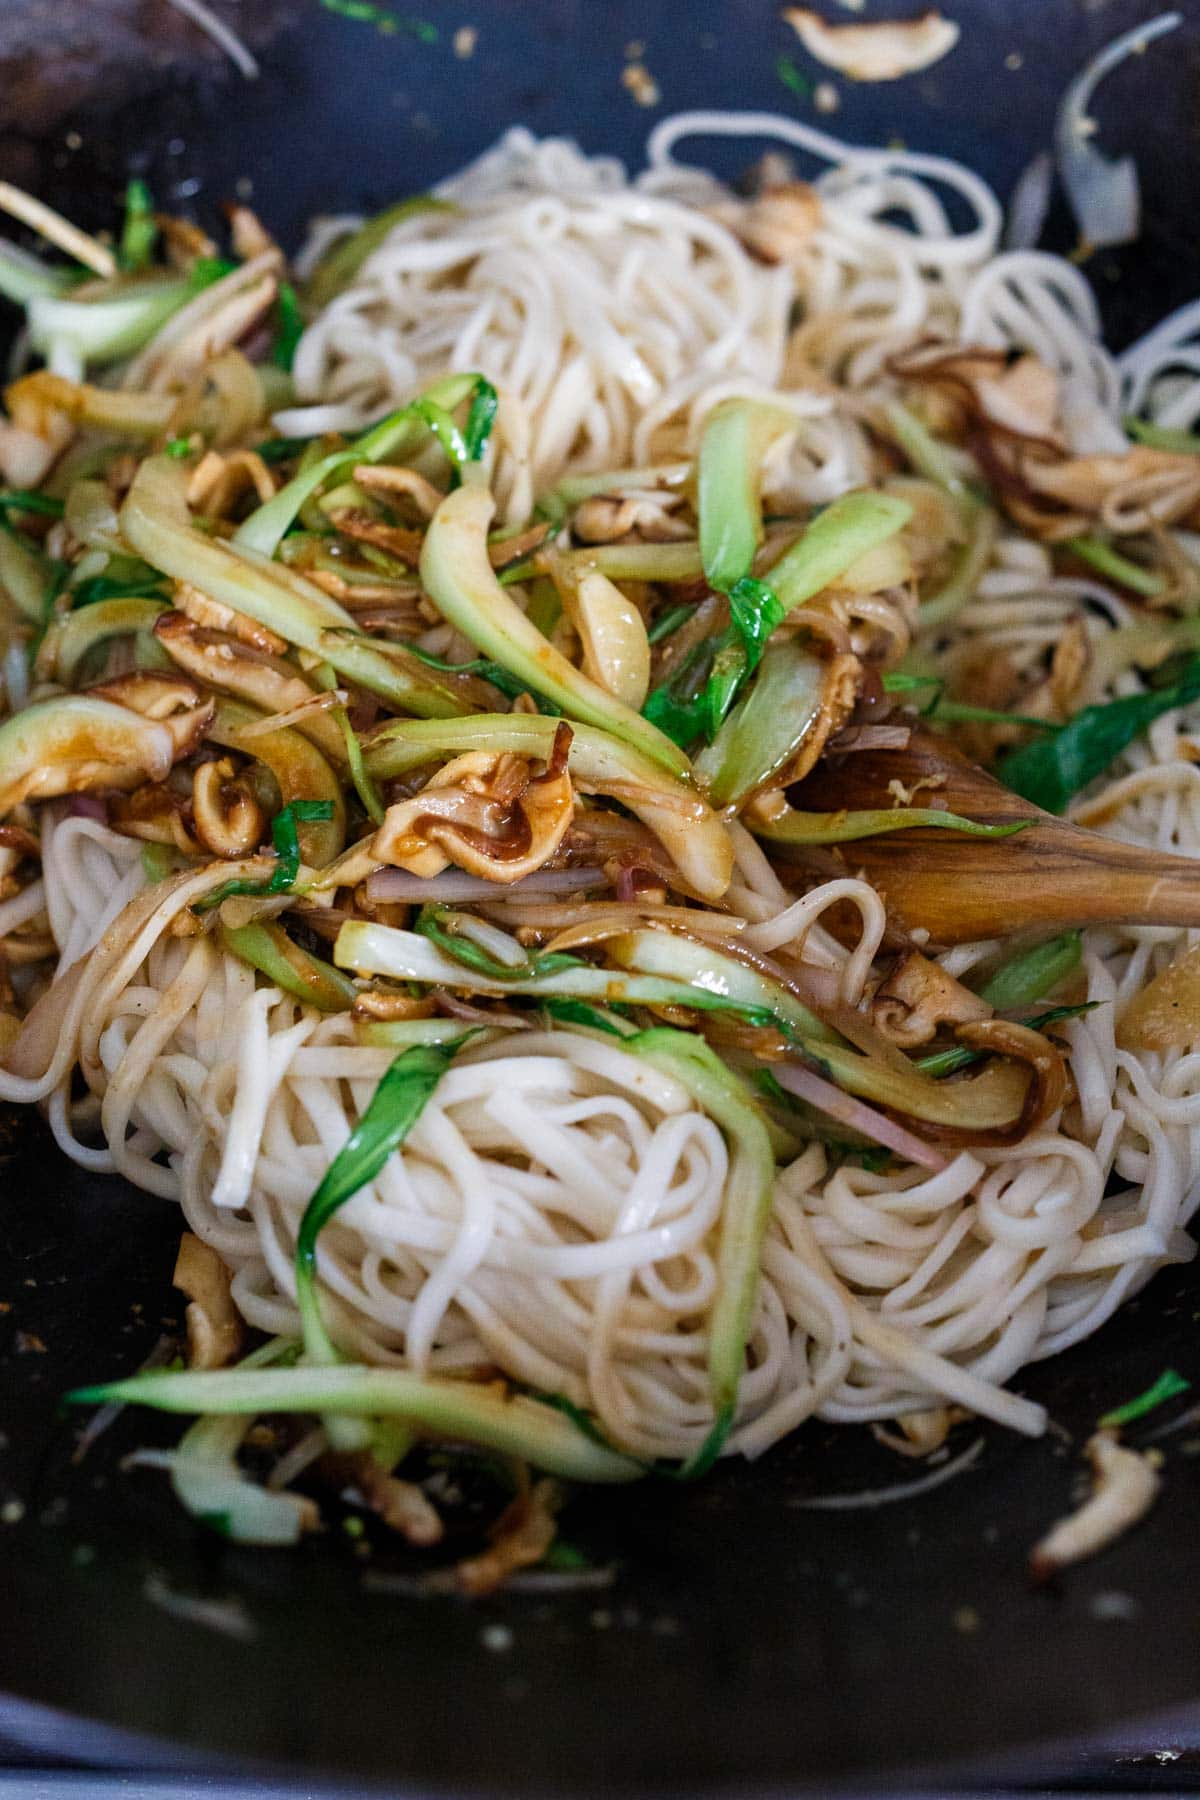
(475, 776)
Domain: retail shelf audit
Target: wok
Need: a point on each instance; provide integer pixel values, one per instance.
(745, 1642)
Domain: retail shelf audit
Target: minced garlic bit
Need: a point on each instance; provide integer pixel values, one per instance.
(638, 81)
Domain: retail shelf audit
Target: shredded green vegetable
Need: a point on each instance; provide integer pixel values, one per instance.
(390, 1115)
(387, 22)
(431, 922)
(139, 234)
(1035, 973)
(1163, 437)
(27, 500)
(286, 840)
(791, 77)
(1169, 1385)
(1101, 556)
(289, 327)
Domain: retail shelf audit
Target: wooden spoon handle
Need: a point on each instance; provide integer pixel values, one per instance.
(1051, 875)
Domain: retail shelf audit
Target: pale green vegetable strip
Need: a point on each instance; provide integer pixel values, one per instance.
(834, 541)
(458, 576)
(400, 431)
(511, 1424)
(69, 639)
(155, 521)
(736, 436)
(103, 331)
(749, 1192)
(767, 726)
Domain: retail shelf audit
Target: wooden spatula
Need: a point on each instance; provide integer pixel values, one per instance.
(960, 888)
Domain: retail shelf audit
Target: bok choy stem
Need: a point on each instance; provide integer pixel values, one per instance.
(459, 578)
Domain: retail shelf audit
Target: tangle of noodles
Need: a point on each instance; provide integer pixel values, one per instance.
(554, 1212)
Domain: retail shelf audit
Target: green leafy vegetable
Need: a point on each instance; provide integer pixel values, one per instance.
(1034, 973)
(399, 431)
(286, 840)
(1167, 1387)
(1163, 437)
(430, 923)
(458, 577)
(206, 271)
(925, 453)
(1106, 561)
(578, 1012)
(792, 78)
(139, 234)
(159, 861)
(289, 327)
(97, 588)
(1051, 772)
(749, 1193)
(480, 419)
(276, 450)
(696, 700)
(389, 23)
(501, 678)
(26, 500)
(390, 1115)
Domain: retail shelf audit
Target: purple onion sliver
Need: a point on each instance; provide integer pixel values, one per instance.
(88, 806)
(453, 885)
(827, 1098)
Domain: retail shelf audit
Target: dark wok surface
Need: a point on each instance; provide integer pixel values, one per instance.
(745, 1643)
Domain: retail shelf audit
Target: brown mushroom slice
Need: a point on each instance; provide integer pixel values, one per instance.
(1131, 492)
(215, 615)
(215, 1331)
(78, 743)
(464, 817)
(157, 815)
(216, 319)
(1049, 1085)
(226, 816)
(220, 479)
(960, 889)
(300, 771)
(918, 998)
(246, 673)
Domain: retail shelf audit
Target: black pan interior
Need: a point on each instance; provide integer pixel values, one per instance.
(745, 1642)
